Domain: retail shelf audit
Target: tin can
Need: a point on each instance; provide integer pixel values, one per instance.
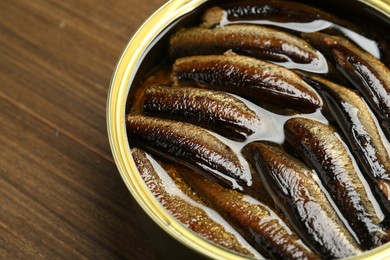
(141, 54)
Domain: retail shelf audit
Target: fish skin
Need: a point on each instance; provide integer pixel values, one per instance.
(372, 80)
(368, 74)
(278, 11)
(259, 224)
(211, 109)
(259, 81)
(320, 147)
(360, 130)
(285, 12)
(251, 40)
(180, 206)
(301, 199)
(192, 146)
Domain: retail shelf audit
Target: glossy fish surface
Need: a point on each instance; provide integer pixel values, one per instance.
(251, 11)
(259, 81)
(320, 147)
(186, 207)
(359, 127)
(250, 40)
(210, 109)
(368, 74)
(190, 145)
(302, 200)
(255, 221)
(295, 17)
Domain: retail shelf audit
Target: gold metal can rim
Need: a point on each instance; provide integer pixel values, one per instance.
(123, 75)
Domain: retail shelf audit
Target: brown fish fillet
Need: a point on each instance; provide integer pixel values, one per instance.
(321, 147)
(213, 110)
(251, 40)
(302, 200)
(188, 209)
(254, 220)
(259, 81)
(296, 17)
(360, 129)
(368, 74)
(192, 146)
(279, 11)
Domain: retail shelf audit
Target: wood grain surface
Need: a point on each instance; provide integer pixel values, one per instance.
(61, 195)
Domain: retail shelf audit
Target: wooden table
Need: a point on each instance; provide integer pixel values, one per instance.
(61, 195)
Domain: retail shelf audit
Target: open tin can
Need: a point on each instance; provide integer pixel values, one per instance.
(144, 51)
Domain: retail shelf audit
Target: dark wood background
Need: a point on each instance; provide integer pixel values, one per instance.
(61, 195)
